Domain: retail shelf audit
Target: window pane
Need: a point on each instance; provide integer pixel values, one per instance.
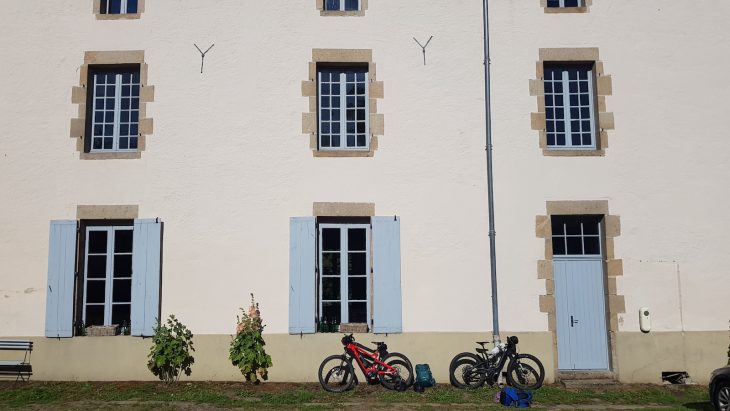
(97, 242)
(331, 312)
(351, 4)
(558, 245)
(357, 288)
(572, 226)
(96, 266)
(131, 6)
(575, 246)
(356, 239)
(331, 239)
(557, 226)
(95, 291)
(590, 225)
(122, 292)
(332, 5)
(357, 312)
(330, 263)
(120, 314)
(592, 245)
(94, 315)
(115, 6)
(123, 241)
(330, 288)
(123, 265)
(356, 264)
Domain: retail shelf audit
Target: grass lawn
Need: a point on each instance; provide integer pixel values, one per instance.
(213, 395)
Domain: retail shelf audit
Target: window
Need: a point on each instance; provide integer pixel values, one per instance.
(576, 235)
(565, 3)
(345, 270)
(119, 274)
(343, 108)
(118, 7)
(569, 106)
(107, 296)
(342, 5)
(113, 123)
(344, 261)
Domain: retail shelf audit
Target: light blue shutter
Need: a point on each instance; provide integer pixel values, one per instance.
(61, 270)
(386, 275)
(302, 279)
(146, 276)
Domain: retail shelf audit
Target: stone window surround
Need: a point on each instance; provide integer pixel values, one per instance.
(323, 12)
(613, 267)
(560, 10)
(603, 87)
(79, 97)
(107, 212)
(375, 92)
(343, 209)
(126, 16)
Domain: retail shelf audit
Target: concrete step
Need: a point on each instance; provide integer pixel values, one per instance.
(585, 375)
(589, 382)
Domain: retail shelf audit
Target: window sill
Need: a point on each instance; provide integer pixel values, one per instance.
(564, 10)
(350, 13)
(573, 153)
(125, 16)
(116, 155)
(342, 153)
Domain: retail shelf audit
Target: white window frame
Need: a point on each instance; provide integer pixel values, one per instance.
(561, 5)
(342, 6)
(343, 112)
(109, 278)
(582, 236)
(344, 277)
(567, 119)
(122, 7)
(117, 113)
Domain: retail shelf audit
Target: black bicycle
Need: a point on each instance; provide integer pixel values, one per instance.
(469, 370)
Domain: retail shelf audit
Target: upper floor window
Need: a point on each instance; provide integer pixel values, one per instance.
(342, 5)
(113, 121)
(343, 108)
(565, 3)
(569, 106)
(118, 7)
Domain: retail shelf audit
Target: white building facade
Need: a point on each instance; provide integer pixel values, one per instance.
(319, 161)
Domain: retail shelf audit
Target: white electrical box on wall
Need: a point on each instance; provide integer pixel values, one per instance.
(644, 319)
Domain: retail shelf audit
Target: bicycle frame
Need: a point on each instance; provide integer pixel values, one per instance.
(497, 366)
(377, 367)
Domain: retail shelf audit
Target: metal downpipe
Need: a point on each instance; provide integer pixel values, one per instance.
(490, 178)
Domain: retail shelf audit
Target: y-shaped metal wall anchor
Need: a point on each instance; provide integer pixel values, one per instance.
(423, 47)
(202, 55)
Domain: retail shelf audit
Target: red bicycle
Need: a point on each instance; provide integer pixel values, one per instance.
(392, 370)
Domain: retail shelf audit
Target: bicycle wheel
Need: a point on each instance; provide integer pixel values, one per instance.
(525, 372)
(336, 374)
(464, 371)
(404, 376)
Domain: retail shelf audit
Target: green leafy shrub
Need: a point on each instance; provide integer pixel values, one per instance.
(170, 352)
(247, 347)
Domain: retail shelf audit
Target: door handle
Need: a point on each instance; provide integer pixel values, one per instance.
(573, 321)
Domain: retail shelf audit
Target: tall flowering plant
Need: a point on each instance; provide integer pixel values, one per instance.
(247, 347)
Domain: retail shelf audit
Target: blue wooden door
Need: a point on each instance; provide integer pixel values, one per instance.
(581, 314)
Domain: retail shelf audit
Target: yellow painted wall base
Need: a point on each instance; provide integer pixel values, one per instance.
(640, 357)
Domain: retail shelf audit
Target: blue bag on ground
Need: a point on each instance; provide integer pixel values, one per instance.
(512, 397)
(424, 378)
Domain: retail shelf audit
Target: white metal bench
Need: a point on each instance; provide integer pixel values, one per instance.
(19, 369)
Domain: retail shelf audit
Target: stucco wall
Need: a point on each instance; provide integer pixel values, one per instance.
(227, 165)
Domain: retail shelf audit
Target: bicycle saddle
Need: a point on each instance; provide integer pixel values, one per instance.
(483, 342)
(378, 342)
